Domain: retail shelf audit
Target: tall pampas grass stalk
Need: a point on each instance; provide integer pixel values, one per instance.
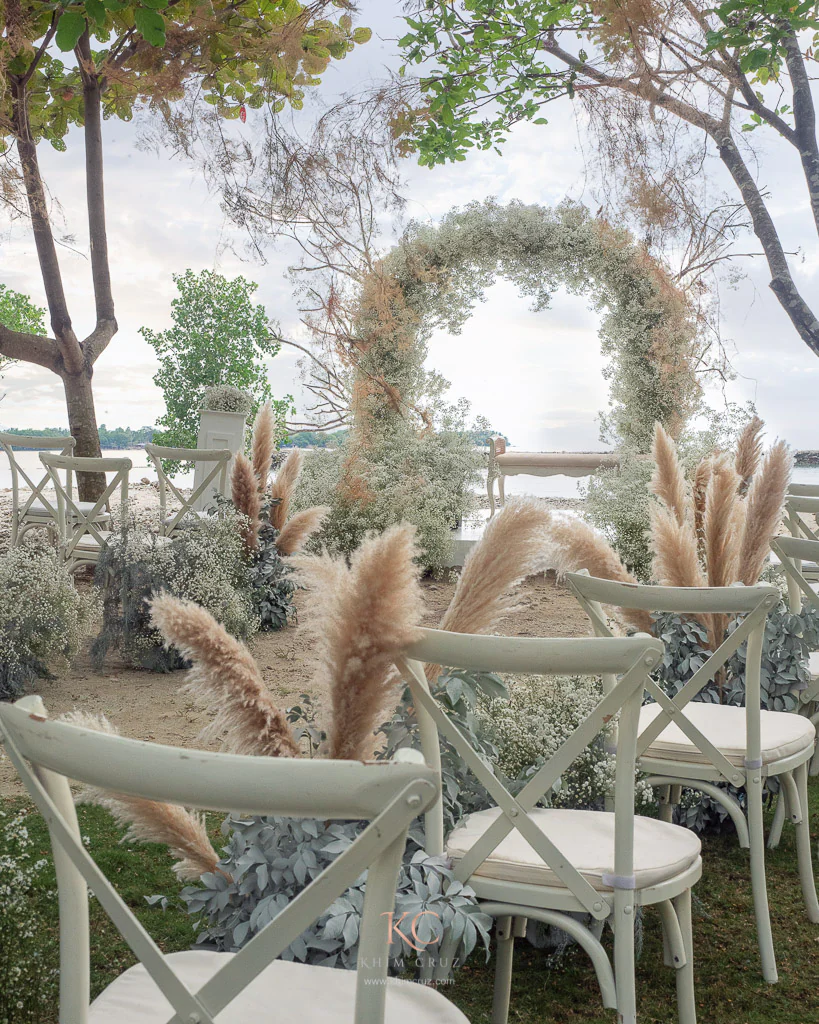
(676, 563)
(749, 452)
(764, 510)
(299, 528)
(149, 821)
(362, 616)
(575, 546)
(699, 492)
(283, 488)
(224, 676)
(668, 481)
(724, 512)
(246, 497)
(264, 444)
(509, 551)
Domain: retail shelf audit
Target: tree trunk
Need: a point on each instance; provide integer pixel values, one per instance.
(82, 421)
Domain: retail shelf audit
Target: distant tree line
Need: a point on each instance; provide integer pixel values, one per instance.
(118, 437)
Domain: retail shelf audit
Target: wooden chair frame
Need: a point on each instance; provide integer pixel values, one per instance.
(390, 795)
(220, 457)
(792, 552)
(22, 518)
(672, 775)
(630, 659)
(74, 524)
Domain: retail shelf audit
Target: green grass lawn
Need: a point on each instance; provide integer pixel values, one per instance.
(730, 989)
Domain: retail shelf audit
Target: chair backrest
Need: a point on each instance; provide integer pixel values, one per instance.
(799, 511)
(216, 477)
(75, 524)
(388, 795)
(804, 490)
(629, 658)
(792, 552)
(753, 602)
(63, 445)
(497, 446)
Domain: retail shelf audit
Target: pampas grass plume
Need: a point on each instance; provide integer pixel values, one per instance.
(362, 616)
(764, 507)
(299, 528)
(224, 676)
(284, 486)
(749, 452)
(668, 481)
(149, 821)
(247, 499)
(722, 526)
(264, 444)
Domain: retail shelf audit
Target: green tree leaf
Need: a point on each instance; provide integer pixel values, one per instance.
(151, 26)
(69, 29)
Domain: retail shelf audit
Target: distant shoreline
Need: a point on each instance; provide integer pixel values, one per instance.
(806, 458)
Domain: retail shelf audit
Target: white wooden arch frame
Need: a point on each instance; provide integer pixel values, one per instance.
(627, 662)
(216, 477)
(389, 795)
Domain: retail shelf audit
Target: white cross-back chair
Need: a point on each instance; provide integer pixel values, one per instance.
(81, 537)
(204, 987)
(794, 553)
(683, 743)
(525, 861)
(802, 520)
(196, 503)
(38, 509)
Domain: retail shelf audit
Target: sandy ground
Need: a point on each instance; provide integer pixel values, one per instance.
(149, 706)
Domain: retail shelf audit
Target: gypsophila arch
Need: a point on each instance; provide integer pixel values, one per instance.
(437, 273)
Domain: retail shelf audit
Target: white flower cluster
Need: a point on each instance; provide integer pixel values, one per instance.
(43, 617)
(529, 728)
(28, 981)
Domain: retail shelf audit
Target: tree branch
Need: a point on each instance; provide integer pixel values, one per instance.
(30, 348)
(69, 346)
(106, 326)
(804, 114)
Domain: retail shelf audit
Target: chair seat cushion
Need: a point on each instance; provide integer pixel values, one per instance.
(586, 840)
(783, 734)
(38, 509)
(89, 542)
(282, 994)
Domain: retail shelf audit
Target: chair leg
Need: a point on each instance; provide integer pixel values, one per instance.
(778, 820)
(624, 957)
(504, 955)
(501, 491)
(803, 851)
(758, 883)
(814, 764)
(665, 809)
(686, 1003)
(490, 490)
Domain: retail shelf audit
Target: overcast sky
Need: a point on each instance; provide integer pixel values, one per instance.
(544, 391)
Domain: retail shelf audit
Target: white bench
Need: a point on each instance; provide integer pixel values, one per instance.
(503, 463)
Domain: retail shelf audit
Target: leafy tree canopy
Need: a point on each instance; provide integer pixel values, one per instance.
(494, 62)
(219, 336)
(19, 313)
(236, 52)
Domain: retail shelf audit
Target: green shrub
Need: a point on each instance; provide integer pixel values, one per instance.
(43, 617)
(427, 480)
(28, 984)
(204, 563)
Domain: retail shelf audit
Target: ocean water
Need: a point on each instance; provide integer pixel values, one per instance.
(535, 486)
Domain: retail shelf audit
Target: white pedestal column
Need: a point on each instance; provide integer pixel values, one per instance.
(218, 430)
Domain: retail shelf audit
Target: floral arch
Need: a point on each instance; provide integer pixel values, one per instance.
(436, 275)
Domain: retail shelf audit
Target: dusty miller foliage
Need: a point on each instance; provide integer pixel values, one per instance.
(270, 860)
(205, 562)
(785, 674)
(43, 617)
